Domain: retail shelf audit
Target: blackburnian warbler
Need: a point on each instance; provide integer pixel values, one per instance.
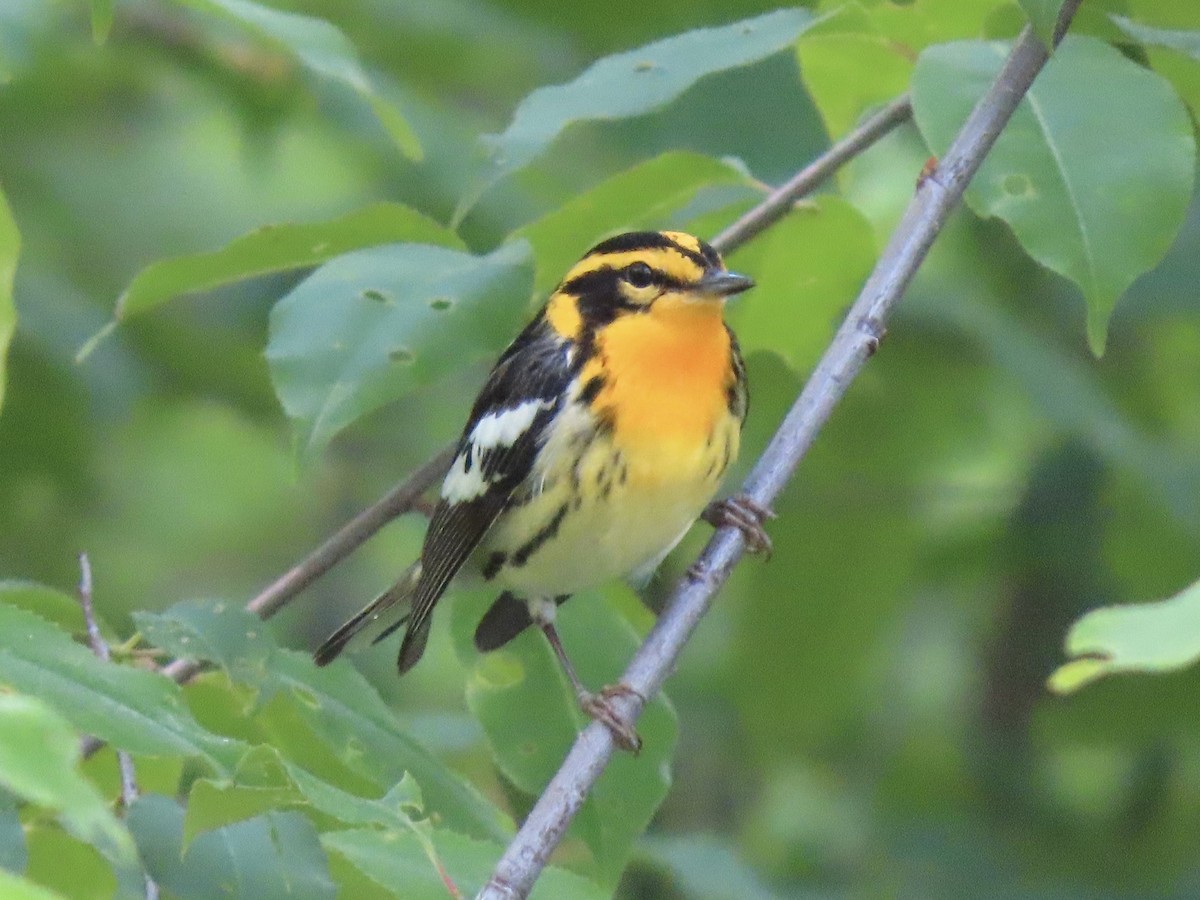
(597, 440)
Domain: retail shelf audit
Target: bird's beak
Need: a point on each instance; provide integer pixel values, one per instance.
(724, 284)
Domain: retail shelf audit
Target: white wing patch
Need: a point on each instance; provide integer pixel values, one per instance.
(501, 428)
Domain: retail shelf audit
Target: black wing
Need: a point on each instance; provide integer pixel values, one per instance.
(496, 452)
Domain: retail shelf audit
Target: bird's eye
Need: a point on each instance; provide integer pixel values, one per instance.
(639, 275)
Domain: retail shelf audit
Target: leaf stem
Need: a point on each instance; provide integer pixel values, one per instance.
(855, 342)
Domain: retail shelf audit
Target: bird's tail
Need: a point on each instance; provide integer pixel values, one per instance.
(399, 595)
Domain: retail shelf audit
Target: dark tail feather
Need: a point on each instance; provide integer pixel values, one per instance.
(398, 593)
(507, 617)
(413, 644)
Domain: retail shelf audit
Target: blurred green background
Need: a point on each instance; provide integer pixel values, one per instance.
(863, 715)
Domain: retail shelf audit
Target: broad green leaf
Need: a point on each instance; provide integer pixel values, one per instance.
(323, 50)
(631, 84)
(1093, 173)
(1043, 16)
(849, 64)
(102, 19)
(39, 762)
(68, 866)
(641, 197)
(340, 707)
(13, 887)
(395, 858)
(10, 246)
(371, 326)
(61, 609)
(1173, 52)
(277, 248)
(808, 270)
(1135, 637)
(132, 709)
(272, 855)
(531, 717)
(266, 780)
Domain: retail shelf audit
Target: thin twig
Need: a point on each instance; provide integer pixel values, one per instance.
(129, 787)
(779, 201)
(855, 342)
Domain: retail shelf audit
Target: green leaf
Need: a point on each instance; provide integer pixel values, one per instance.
(1093, 173)
(1181, 41)
(394, 858)
(323, 50)
(641, 197)
(13, 887)
(49, 603)
(39, 759)
(808, 269)
(102, 19)
(531, 717)
(1144, 637)
(340, 707)
(706, 867)
(134, 710)
(277, 248)
(273, 855)
(631, 84)
(1043, 16)
(10, 246)
(849, 64)
(371, 326)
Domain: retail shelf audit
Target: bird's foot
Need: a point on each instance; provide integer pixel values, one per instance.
(747, 516)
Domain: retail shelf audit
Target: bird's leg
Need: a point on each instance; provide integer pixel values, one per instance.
(598, 704)
(746, 515)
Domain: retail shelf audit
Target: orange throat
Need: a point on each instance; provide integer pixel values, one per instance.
(668, 373)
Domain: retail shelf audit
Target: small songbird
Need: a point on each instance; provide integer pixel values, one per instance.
(600, 436)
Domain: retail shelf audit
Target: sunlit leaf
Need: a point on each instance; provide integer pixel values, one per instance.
(1144, 637)
(631, 84)
(13, 887)
(644, 196)
(372, 325)
(808, 270)
(1093, 173)
(322, 49)
(132, 709)
(277, 248)
(10, 246)
(39, 759)
(850, 64)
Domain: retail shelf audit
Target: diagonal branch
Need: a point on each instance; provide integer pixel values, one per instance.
(405, 495)
(854, 343)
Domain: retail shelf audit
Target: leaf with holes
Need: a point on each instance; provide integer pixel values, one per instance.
(631, 84)
(373, 325)
(278, 248)
(1094, 172)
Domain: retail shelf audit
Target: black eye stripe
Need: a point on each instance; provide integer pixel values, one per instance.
(604, 281)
